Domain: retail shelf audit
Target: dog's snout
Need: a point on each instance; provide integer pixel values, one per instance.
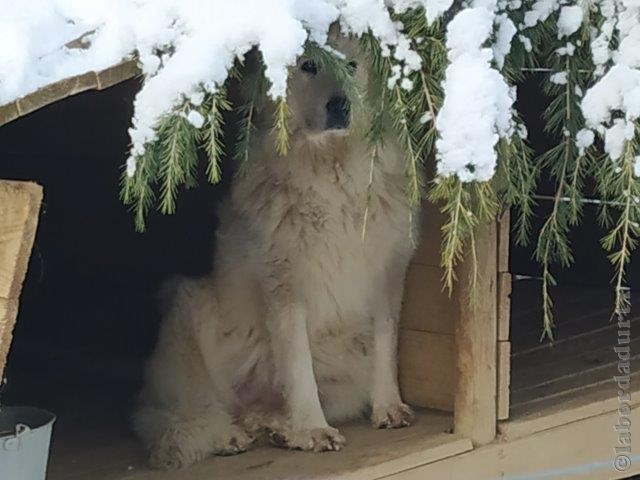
(338, 112)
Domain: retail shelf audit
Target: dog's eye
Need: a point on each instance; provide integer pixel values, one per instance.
(310, 67)
(353, 65)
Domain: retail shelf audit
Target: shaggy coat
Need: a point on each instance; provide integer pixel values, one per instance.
(296, 327)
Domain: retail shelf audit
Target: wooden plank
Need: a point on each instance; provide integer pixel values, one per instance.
(504, 305)
(111, 455)
(118, 73)
(568, 357)
(431, 221)
(65, 88)
(589, 401)
(426, 307)
(567, 384)
(57, 91)
(19, 207)
(8, 314)
(475, 408)
(504, 379)
(427, 372)
(581, 450)
(9, 112)
(504, 228)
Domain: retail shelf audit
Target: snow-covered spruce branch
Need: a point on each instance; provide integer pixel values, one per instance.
(442, 75)
(568, 161)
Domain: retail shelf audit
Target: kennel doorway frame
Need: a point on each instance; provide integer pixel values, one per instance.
(452, 356)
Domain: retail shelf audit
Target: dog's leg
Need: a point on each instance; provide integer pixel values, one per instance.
(307, 428)
(388, 410)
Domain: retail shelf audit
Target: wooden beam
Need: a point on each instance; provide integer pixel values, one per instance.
(19, 207)
(475, 409)
(581, 450)
(65, 88)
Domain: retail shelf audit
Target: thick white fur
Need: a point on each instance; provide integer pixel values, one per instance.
(296, 327)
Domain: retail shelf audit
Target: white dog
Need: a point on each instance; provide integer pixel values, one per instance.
(296, 328)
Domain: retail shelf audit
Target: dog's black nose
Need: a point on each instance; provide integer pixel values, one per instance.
(338, 110)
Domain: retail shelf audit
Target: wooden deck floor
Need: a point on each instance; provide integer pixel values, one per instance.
(106, 451)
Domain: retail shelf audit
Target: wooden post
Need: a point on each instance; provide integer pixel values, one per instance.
(476, 344)
(19, 207)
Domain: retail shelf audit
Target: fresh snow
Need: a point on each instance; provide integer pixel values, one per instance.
(183, 46)
(186, 47)
(569, 20)
(477, 108)
(584, 139)
(559, 78)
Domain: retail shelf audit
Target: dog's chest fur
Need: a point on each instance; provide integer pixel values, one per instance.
(306, 213)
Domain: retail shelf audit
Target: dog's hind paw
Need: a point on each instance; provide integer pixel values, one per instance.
(316, 439)
(397, 415)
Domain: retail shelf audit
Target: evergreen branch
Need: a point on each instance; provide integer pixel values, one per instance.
(623, 238)
(255, 85)
(516, 180)
(280, 127)
(212, 134)
(137, 190)
(177, 157)
(567, 166)
(455, 200)
(373, 161)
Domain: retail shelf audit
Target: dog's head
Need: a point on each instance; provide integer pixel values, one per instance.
(319, 107)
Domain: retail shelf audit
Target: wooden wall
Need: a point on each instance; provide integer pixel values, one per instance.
(427, 359)
(454, 356)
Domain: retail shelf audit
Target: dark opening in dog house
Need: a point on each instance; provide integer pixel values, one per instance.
(88, 319)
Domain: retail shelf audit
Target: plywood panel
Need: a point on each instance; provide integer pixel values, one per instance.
(19, 207)
(427, 370)
(8, 314)
(431, 221)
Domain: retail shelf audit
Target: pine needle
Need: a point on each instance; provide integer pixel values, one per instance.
(280, 127)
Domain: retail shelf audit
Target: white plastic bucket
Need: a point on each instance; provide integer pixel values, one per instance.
(25, 434)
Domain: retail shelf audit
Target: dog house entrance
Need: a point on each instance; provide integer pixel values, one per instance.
(88, 320)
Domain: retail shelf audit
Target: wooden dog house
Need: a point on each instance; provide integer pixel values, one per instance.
(455, 364)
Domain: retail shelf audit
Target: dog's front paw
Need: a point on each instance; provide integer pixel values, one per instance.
(171, 457)
(232, 442)
(396, 415)
(316, 439)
